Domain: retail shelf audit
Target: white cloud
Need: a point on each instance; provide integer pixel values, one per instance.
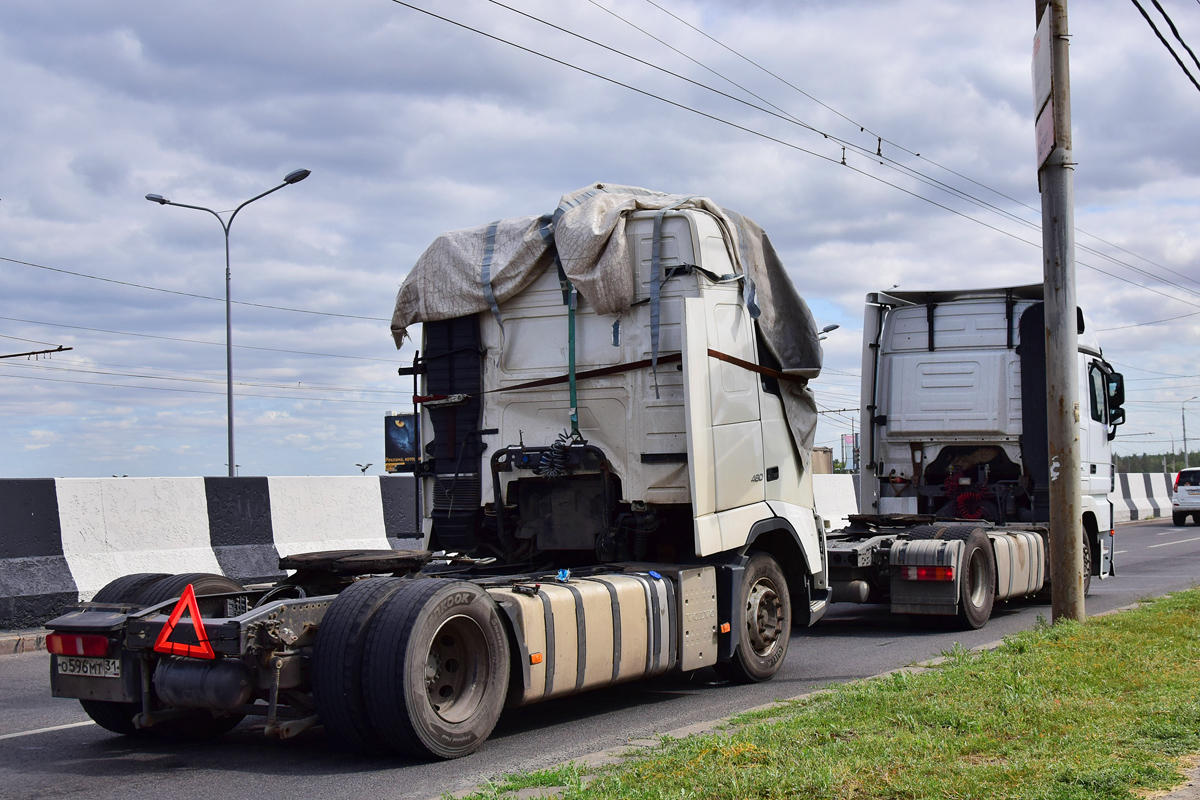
(412, 127)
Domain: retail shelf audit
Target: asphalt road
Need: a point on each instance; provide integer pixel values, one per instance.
(853, 641)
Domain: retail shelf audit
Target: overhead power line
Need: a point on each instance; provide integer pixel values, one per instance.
(187, 294)
(1151, 322)
(299, 386)
(1165, 43)
(881, 138)
(193, 341)
(843, 162)
(192, 391)
(1175, 31)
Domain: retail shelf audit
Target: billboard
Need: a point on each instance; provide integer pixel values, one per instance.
(400, 442)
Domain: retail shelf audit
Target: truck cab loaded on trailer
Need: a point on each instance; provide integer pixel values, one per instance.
(615, 433)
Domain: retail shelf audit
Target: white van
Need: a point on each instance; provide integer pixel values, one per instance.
(1186, 500)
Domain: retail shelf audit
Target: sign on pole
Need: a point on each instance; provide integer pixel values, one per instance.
(1043, 85)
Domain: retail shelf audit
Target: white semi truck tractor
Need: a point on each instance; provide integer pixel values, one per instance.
(613, 459)
(953, 448)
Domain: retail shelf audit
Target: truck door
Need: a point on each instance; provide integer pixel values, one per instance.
(724, 434)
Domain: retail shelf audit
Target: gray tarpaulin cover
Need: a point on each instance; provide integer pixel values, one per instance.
(466, 271)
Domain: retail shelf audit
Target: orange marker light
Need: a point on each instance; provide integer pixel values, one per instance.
(535, 658)
(724, 627)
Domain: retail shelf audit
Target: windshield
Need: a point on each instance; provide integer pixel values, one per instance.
(1189, 478)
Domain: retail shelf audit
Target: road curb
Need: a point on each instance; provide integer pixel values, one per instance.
(22, 641)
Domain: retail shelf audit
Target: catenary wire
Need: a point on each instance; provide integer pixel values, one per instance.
(298, 386)
(898, 146)
(186, 294)
(1175, 31)
(192, 391)
(194, 341)
(1166, 44)
(246, 380)
(795, 147)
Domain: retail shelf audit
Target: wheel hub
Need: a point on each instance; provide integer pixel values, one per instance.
(764, 616)
(457, 669)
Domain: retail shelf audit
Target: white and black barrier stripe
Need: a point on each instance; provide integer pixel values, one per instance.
(1142, 495)
(62, 539)
(1136, 496)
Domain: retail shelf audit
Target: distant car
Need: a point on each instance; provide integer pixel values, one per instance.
(1186, 501)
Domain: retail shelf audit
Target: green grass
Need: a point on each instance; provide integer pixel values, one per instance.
(1104, 709)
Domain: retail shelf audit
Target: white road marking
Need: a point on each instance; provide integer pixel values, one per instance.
(1177, 541)
(1170, 530)
(1118, 552)
(46, 730)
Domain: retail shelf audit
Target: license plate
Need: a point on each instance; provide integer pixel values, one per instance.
(89, 667)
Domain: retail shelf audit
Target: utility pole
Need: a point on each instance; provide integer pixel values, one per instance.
(1183, 416)
(1056, 180)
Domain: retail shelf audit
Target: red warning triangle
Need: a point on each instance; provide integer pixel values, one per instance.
(204, 649)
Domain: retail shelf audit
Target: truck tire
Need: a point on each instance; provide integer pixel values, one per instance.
(1087, 564)
(763, 639)
(436, 668)
(118, 717)
(127, 587)
(172, 586)
(337, 660)
(976, 581)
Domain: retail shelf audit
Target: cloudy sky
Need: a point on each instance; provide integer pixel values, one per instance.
(412, 126)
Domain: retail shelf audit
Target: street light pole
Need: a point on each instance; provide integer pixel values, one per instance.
(1183, 416)
(292, 177)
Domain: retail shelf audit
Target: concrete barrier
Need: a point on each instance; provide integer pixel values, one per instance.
(35, 581)
(1141, 495)
(62, 539)
(1136, 496)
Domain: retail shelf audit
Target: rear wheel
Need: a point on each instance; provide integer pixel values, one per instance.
(172, 586)
(127, 587)
(436, 668)
(146, 589)
(1087, 564)
(1179, 519)
(763, 638)
(976, 581)
(338, 658)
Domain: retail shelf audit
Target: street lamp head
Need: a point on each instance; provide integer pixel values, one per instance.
(157, 198)
(295, 176)
(830, 328)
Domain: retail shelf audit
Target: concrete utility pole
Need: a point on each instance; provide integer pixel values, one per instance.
(1056, 180)
(1183, 416)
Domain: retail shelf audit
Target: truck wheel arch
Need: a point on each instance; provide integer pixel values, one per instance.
(778, 538)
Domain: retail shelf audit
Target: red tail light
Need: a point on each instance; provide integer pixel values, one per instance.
(76, 644)
(1176, 486)
(927, 573)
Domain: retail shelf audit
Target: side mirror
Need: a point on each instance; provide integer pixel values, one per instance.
(1116, 392)
(1115, 417)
